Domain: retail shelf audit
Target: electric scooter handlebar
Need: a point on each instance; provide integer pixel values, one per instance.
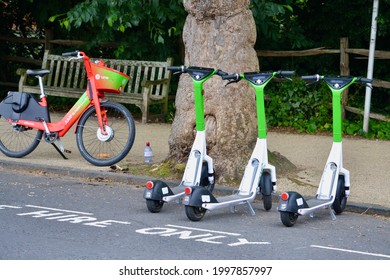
(312, 78)
(177, 69)
(317, 78)
(282, 73)
(194, 70)
(364, 80)
(234, 77)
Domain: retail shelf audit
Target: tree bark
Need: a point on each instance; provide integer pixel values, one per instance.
(218, 34)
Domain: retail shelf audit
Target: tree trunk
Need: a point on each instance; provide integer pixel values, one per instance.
(218, 34)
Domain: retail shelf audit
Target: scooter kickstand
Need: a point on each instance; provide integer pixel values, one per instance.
(331, 212)
(250, 208)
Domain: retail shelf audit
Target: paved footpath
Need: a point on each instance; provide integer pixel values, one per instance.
(367, 160)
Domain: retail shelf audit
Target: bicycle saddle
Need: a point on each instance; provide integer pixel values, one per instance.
(40, 72)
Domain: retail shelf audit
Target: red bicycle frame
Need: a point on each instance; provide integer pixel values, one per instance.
(91, 97)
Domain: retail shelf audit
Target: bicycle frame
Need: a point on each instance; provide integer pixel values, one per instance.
(91, 97)
(63, 126)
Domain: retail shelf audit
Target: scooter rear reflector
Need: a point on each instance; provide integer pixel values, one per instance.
(149, 185)
(284, 196)
(188, 191)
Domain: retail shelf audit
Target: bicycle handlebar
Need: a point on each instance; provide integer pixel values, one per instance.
(75, 53)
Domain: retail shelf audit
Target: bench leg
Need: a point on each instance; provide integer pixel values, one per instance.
(145, 111)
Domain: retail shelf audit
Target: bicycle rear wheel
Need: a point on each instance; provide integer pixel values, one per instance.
(105, 149)
(18, 141)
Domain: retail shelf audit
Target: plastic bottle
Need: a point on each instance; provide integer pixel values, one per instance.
(148, 154)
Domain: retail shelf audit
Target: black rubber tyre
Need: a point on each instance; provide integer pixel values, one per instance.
(340, 201)
(154, 206)
(266, 184)
(18, 141)
(204, 178)
(195, 213)
(267, 202)
(288, 218)
(110, 149)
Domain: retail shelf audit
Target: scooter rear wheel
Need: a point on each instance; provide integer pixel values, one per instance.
(154, 206)
(288, 218)
(195, 213)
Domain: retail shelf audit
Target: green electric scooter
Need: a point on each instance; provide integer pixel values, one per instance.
(259, 176)
(199, 171)
(334, 186)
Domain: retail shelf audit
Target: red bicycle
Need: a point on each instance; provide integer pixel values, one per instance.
(105, 130)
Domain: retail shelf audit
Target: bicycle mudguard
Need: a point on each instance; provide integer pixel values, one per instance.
(23, 106)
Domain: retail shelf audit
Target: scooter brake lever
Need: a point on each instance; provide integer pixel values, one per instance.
(231, 82)
(370, 86)
(310, 83)
(177, 73)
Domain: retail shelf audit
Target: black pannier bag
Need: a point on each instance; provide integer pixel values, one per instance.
(20, 101)
(22, 106)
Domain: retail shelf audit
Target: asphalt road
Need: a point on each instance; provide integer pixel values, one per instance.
(48, 217)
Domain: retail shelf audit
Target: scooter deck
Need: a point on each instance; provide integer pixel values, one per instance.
(229, 201)
(315, 204)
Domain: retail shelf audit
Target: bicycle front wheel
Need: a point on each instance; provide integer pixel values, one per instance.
(111, 146)
(17, 141)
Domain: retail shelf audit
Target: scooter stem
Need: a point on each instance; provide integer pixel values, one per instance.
(199, 105)
(337, 115)
(262, 125)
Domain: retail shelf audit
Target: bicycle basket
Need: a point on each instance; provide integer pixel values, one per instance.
(108, 79)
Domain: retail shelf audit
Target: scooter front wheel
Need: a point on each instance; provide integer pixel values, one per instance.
(195, 213)
(340, 201)
(288, 218)
(266, 190)
(154, 206)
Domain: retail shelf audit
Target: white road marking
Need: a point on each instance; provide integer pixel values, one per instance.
(350, 251)
(56, 209)
(206, 230)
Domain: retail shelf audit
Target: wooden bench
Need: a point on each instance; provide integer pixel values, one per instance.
(148, 85)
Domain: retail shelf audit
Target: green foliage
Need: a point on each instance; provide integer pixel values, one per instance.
(377, 129)
(308, 109)
(305, 108)
(141, 27)
(277, 24)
